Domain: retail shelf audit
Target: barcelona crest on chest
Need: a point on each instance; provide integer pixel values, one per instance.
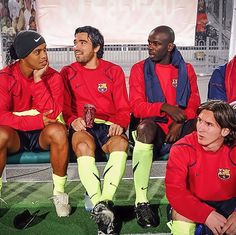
(223, 174)
(102, 87)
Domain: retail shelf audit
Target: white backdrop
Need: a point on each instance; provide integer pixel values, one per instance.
(232, 48)
(120, 21)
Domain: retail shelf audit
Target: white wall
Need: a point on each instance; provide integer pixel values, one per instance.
(203, 87)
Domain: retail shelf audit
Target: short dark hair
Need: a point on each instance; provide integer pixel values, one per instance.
(167, 30)
(95, 37)
(225, 116)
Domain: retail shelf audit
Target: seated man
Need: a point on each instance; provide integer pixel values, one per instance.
(100, 84)
(164, 96)
(201, 174)
(222, 84)
(31, 99)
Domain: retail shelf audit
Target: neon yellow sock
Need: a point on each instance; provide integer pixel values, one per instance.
(89, 177)
(142, 163)
(182, 228)
(113, 174)
(59, 184)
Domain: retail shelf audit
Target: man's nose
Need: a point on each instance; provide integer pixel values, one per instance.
(201, 126)
(44, 54)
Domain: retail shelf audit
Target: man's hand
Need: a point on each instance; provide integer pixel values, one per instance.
(47, 120)
(230, 226)
(176, 113)
(79, 124)
(115, 130)
(215, 222)
(39, 73)
(174, 132)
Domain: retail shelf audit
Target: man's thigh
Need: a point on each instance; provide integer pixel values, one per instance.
(9, 140)
(94, 137)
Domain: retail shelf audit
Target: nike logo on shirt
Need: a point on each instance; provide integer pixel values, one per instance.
(36, 40)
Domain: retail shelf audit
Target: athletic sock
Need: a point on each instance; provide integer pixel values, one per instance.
(89, 177)
(113, 174)
(59, 184)
(182, 228)
(141, 164)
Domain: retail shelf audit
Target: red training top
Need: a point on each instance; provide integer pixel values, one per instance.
(168, 77)
(19, 93)
(194, 175)
(103, 87)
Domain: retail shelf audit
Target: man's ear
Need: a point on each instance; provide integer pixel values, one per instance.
(225, 132)
(96, 49)
(171, 46)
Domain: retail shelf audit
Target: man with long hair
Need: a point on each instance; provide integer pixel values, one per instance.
(201, 174)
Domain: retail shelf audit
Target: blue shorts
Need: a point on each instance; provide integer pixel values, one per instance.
(161, 148)
(225, 208)
(99, 133)
(29, 141)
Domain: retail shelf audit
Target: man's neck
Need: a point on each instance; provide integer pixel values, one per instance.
(213, 147)
(92, 64)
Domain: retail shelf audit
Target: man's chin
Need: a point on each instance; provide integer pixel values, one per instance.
(153, 59)
(203, 143)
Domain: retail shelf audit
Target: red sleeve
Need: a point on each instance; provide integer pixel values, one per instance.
(194, 99)
(138, 101)
(177, 190)
(68, 115)
(120, 98)
(48, 94)
(7, 118)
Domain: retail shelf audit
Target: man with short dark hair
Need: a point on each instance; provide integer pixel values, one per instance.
(100, 85)
(164, 97)
(201, 174)
(31, 101)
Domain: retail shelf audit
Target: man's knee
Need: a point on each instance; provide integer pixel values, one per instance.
(180, 225)
(84, 148)
(121, 142)
(57, 133)
(146, 131)
(176, 216)
(116, 143)
(5, 135)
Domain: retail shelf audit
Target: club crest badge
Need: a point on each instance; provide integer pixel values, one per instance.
(102, 87)
(224, 174)
(174, 82)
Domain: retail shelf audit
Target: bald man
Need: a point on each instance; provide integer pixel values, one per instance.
(163, 98)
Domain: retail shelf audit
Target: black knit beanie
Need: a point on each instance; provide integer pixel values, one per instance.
(26, 41)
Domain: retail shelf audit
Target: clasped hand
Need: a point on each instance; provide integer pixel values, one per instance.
(219, 225)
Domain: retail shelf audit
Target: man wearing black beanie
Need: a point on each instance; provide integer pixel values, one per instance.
(31, 100)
